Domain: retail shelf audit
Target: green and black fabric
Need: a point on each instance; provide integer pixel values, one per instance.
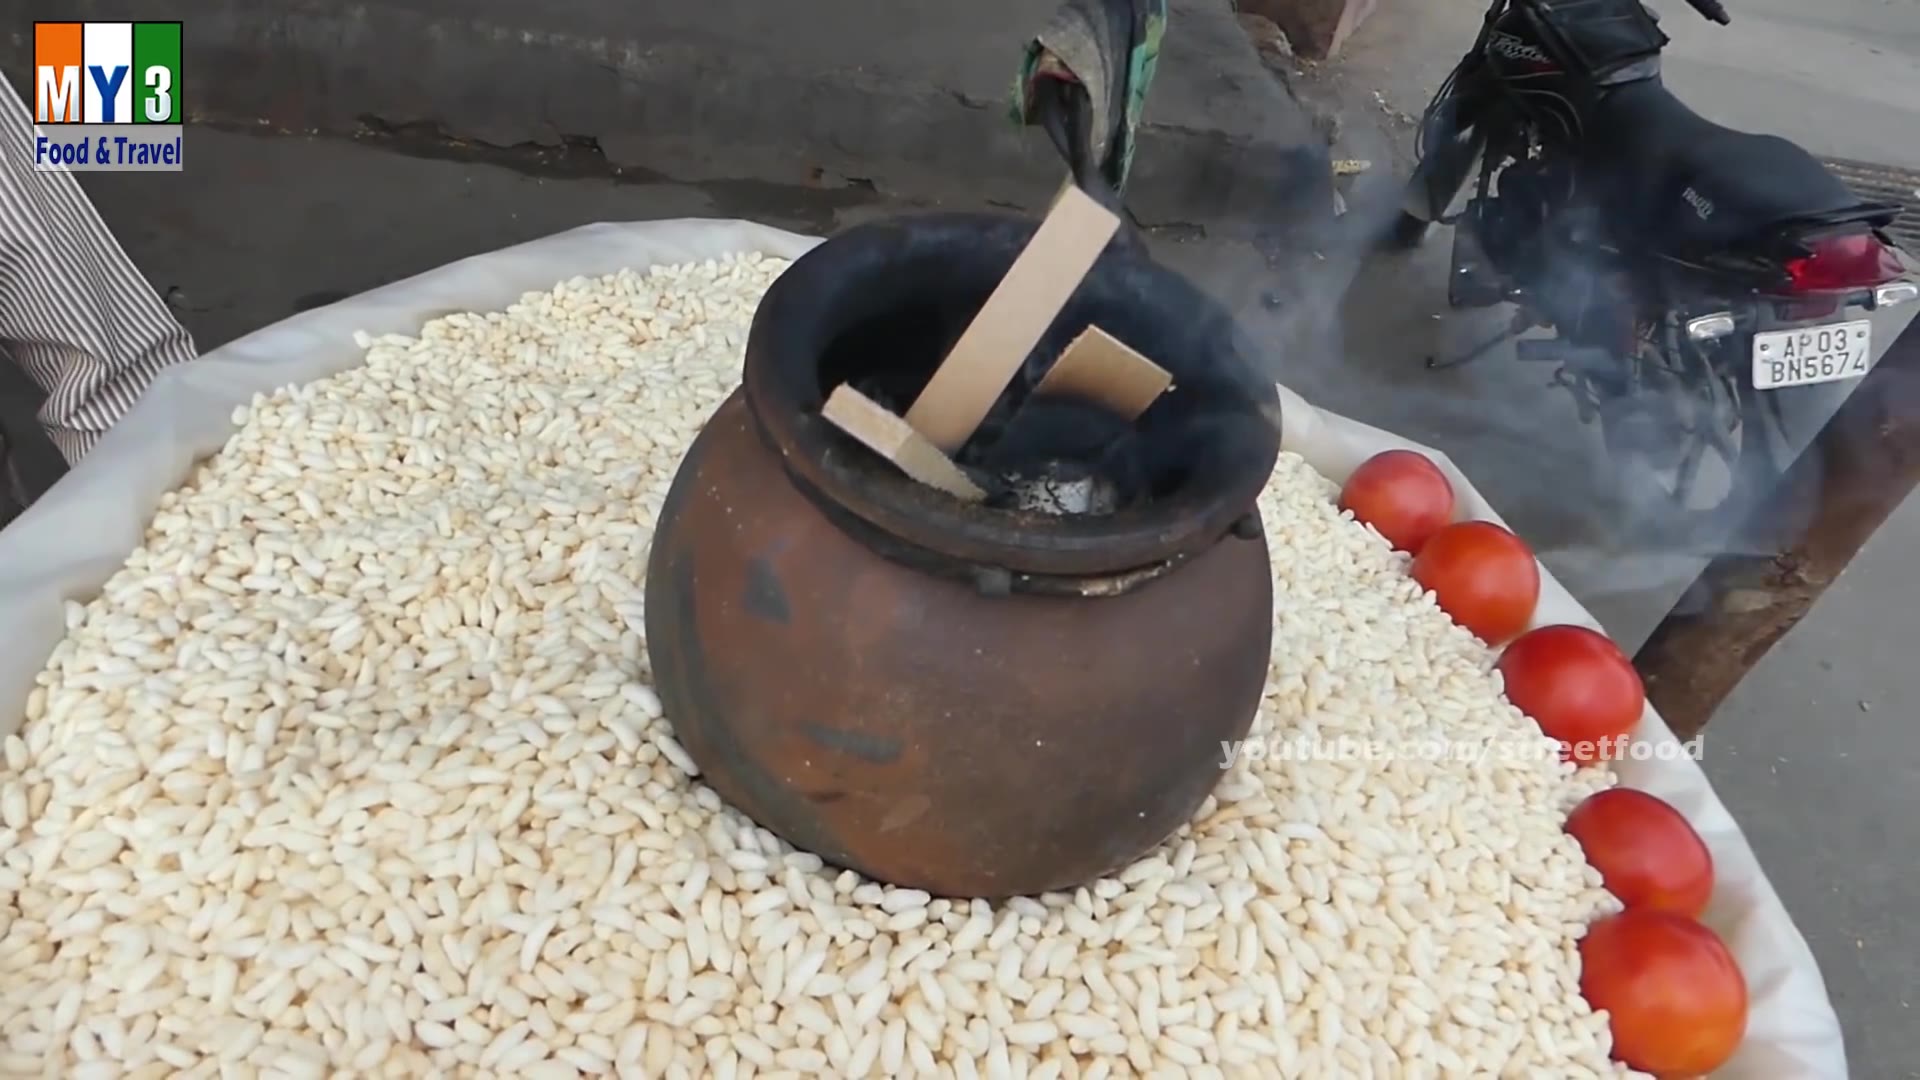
(1084, 79)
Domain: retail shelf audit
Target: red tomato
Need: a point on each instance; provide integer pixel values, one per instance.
(1578, 686)
(1673, 994)
(1483, 576)
(1404, 496)
(1647, 853)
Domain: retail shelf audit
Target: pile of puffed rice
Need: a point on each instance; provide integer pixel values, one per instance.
(354, 770)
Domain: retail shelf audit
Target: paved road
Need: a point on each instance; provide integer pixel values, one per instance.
(1839, 76)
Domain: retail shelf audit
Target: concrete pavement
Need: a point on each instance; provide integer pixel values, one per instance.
(903, 96)
(1838, 76)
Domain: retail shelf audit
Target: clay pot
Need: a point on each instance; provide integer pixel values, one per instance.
(967, 701)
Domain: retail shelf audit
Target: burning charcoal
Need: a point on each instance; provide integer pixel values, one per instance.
(1053, 429)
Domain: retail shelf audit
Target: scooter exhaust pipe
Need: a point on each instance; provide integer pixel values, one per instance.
(1578, 357)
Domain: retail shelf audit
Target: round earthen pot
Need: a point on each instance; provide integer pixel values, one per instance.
(968, 701)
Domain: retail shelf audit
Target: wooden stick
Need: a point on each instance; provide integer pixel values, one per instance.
(894, 439)
(1106, 371)
(1861, 466)
(1013, 320)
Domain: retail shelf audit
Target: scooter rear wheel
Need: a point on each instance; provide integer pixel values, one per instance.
(1682, 490)
(1406, 233)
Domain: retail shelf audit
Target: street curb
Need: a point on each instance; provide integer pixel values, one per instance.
(1222, 142)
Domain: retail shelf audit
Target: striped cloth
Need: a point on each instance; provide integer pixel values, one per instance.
(75, 315)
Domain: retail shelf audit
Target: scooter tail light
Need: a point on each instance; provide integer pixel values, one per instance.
(1850, 261)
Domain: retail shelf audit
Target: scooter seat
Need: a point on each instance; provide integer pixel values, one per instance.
(1691, 186)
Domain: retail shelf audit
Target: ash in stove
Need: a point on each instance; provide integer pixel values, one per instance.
(1062, 455)
(1053, 453)
(1061, 487)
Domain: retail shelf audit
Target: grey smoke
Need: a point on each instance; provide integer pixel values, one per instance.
(1349, 328)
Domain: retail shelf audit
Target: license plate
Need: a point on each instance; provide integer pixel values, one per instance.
(1816, 354)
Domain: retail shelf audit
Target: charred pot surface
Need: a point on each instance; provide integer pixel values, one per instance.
(971, 699)
(914, 729)
(879, 306)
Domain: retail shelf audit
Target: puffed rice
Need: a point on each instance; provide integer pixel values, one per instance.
(354, 768)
